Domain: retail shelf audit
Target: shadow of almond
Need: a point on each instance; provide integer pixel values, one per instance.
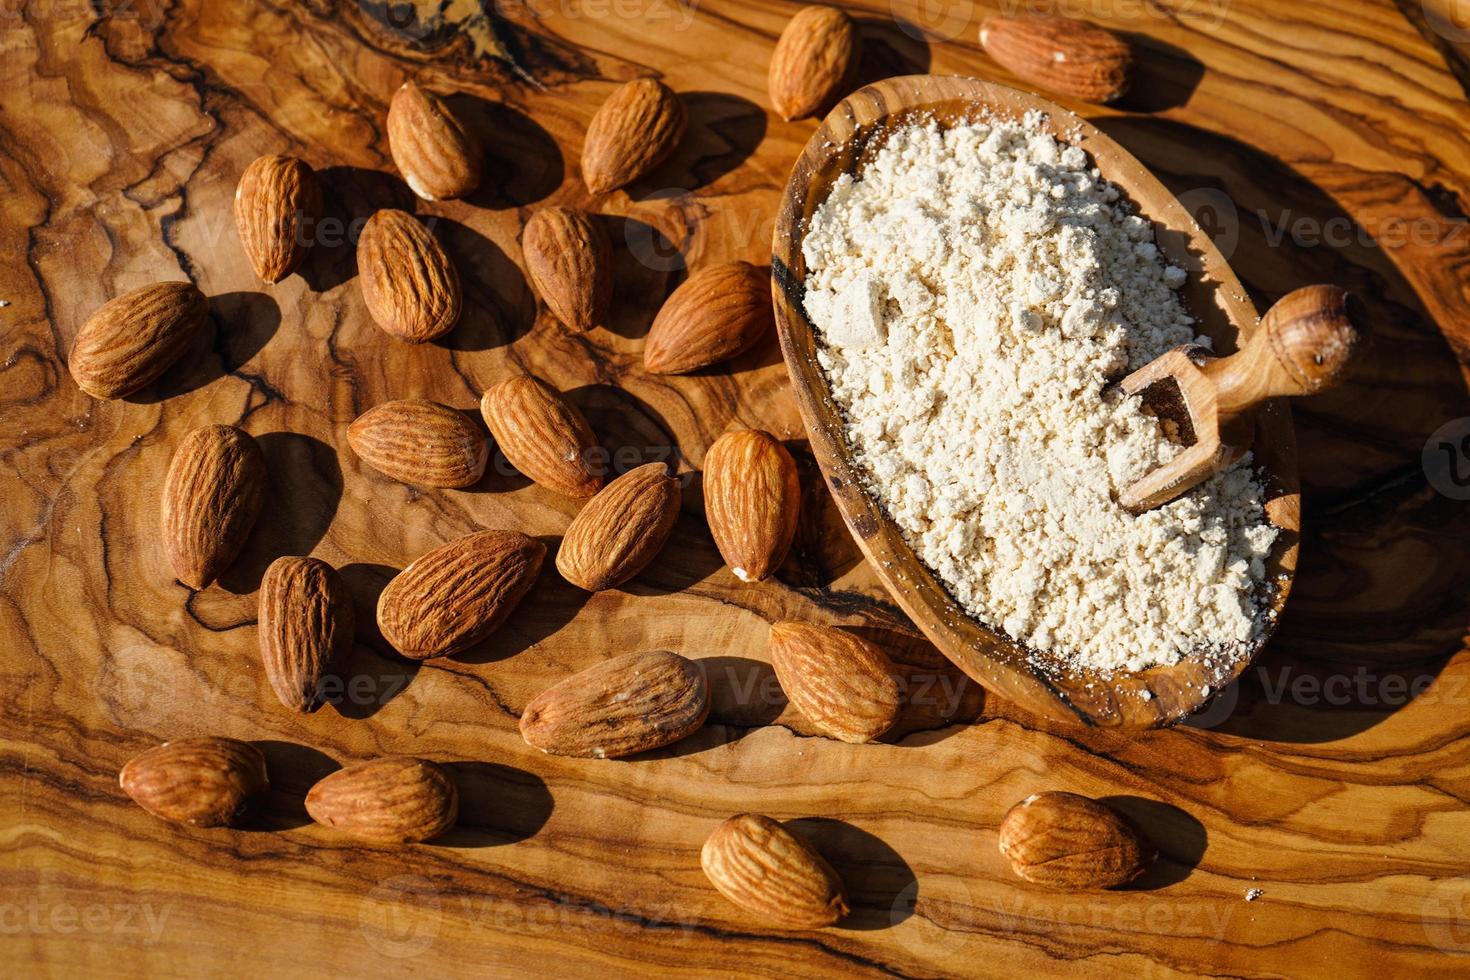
(293, 770)
(1179, 837)
(881, 887)
(498, 804)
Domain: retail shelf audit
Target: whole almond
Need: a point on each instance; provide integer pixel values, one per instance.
(622, 706)
(459, 593)
(202, 782)
(841, 683)
(305, 625)
(621, 529)
(212, 495)
(1058, 53)
(394, 800)
(408, 281)
(814, 58)
(1069, 841)
(131, 340)
(634, 131)
(751, 499)
(569, 260)
(421, 443)
(766, 869)
(275, 202)
(713, 316)
(438, 157)
(543, 435)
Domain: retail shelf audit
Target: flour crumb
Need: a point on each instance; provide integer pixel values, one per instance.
(976, 292)
(1252, 894)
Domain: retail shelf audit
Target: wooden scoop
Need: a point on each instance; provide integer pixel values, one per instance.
(1303, 345)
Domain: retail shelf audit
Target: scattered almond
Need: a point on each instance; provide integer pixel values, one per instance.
(622, 706)
(438, 157)
(275, 202)
(421, 443)
(1065, 55)
(408, 281)
(394, 800)
(634, 131)
(202, 782)
(814, 58)
(569, 260)
(766, 869)
(459, 593)
(543, 435)
(621, 529)
(133, 339)
(841, 683)
(305, 624)
(212, 495)
(751, 499)
(1069, 841)
(713, 316)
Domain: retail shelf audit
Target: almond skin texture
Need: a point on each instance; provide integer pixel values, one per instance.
(275, 202)
(394, 800)
(570, 262)
(421, 443)
(621, 529)
(408, 281)
(767, 870)
(543, 435)
(634, 131)
(713, 316)
(1069, 841)
(211, 497)
(751, 499)
(438, 157)
(305, 624)
(1068, 56)
(202, 782)
(815, 56)
(841, 683)
(622, 706)
(459, 593)
(133, 339)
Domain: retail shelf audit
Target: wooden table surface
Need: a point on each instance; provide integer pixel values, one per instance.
(1323, 141)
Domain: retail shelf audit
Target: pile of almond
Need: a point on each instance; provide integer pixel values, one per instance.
(459, 593)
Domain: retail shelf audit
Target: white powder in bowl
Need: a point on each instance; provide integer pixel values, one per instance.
(975, 293)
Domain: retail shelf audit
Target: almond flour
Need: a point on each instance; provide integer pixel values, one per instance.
(976, 291)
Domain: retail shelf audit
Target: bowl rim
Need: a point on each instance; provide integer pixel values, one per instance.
(848, 137)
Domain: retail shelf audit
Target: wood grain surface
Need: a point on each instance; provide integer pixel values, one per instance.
(1324, 142)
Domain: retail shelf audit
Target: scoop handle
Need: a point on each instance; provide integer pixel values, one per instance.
(1305, 344)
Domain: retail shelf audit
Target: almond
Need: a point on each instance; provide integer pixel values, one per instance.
(202, 782)
(765, 869)
(1069, 841)
(622, 706)
(569, 260)
(543, 435)
(438, 157)
(421, 443)
(841, 683)
(133, 339)
(305, 624)
(751, 499)
(275, 202)
(394, 800)
(459, 593)
(1068, 56)
(634, 131)
(621, 529)
(714, 315)
(814, 58)
(408, 281)
(211, 497)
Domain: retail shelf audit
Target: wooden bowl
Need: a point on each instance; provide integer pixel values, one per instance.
(844, 143)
